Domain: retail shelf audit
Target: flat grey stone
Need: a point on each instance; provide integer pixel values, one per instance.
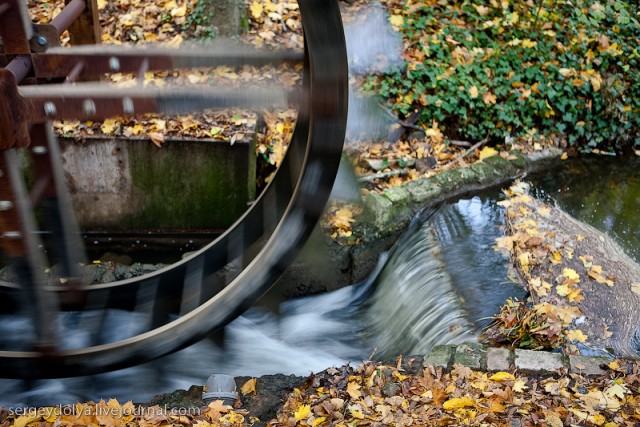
(380, 207)
(397, 195)
(440, 356)
(470, 355)
(422, 189)
(538, 361)
(498, 359)
(587, 365)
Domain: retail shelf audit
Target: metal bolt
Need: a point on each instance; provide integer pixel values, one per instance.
(12, 235)
(127, 105)
(50, 108)
(42, 41)
(114, 64)
(5, 205)
(39, 149)
(89, 107)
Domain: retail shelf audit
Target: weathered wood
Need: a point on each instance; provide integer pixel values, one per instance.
(86, 29)
(15, 27)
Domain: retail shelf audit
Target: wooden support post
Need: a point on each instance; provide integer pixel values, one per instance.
(86, 28)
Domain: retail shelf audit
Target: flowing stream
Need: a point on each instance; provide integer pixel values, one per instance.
(439, 284)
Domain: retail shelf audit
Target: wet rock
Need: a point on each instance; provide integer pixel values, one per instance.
(425, 164)
(179, 399)
(271, 393)
(391, 389)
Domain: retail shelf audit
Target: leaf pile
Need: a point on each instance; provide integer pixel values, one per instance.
(384, 395)
(580, 282)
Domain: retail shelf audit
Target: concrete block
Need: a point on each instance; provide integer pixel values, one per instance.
(470, 355)
(422, 190)
(539, 361)
(398, 195)
(440, 356)
(381, 209)
(499, 359)
(587, 365)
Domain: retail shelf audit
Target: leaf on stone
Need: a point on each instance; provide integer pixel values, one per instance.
(249, 387)
(635, 288)
(109, 126)
(487, 152)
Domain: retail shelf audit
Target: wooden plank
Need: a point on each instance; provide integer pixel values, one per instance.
(86, 29)
(15, 27)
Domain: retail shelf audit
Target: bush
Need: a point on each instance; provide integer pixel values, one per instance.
(520, 68)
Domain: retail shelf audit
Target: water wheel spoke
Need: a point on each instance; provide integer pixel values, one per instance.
(31, 264)
(97, 60)
(96, 101)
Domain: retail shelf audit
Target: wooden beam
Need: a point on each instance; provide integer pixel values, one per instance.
(86, 29)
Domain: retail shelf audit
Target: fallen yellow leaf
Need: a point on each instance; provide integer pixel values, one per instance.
(487, 152)
(502, 376)
(303, 412)
(249, 387)
(457, 403)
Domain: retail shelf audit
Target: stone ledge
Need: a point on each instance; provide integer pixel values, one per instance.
(491, 359)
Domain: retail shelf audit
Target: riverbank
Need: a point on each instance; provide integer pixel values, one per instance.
(466, 384)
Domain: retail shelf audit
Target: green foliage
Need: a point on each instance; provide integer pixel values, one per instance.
(519, 68)
(200, 19)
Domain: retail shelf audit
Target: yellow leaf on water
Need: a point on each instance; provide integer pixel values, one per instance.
(487, 152)
(502, 376)
(563, 290)
(635, 287)
(571, 274)
(303, 412)
(457, 403)
(575, 335)
(249, 386)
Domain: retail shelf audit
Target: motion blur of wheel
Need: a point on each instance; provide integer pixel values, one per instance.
(186, 301)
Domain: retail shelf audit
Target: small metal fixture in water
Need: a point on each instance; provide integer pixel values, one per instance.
(220, 387)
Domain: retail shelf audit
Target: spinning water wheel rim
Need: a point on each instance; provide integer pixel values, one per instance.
(306, 175)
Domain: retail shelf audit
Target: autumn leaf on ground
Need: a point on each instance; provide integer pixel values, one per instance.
(303, 412)
(487, 152)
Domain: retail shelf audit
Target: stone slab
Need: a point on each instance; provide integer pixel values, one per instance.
(440, 356)
(539, 361)
(499, 359)
(470, 355)
(585, 365)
